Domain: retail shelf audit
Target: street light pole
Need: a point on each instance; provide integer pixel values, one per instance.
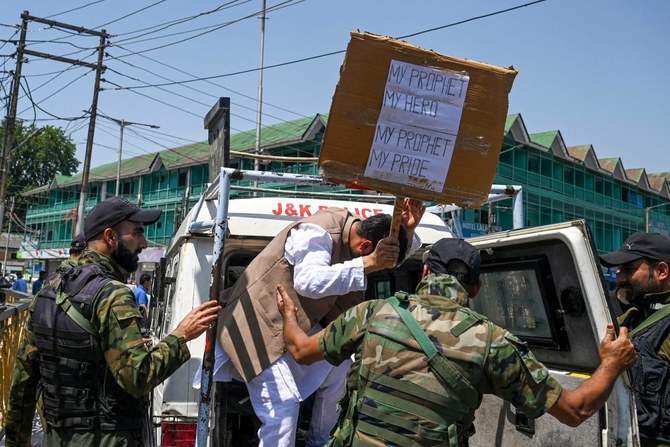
(647, 222)
(123, 123)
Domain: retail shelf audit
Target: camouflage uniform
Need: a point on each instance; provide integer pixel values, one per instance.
(490, 358)
(136, 368)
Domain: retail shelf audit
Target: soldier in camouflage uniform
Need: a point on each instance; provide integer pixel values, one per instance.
(83, 348)
(423, 361)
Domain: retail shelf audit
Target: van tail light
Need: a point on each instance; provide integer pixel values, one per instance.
(180, 434)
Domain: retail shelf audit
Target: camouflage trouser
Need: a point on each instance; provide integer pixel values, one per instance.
(64, 438)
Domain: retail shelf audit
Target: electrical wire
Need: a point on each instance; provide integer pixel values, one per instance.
(208, 81)
(74, 9)
(194, 100)
(131, 14)
(136, 40)
(6, 41)
(322, 55)
(168, 24)
(146, 152)
(216, 28)
(56, 92)
(60, 42)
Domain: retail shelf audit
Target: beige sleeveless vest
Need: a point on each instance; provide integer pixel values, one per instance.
(250, 327)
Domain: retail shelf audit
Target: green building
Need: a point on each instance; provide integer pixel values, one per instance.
(559, 183)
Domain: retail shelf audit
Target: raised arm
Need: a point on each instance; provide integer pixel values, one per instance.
(617, 354)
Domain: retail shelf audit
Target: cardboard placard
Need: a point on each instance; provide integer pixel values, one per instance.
(415, 123)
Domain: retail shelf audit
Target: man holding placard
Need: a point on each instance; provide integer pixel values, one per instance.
(322, 261)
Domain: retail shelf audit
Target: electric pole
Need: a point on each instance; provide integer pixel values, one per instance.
(9, 233)
(123, 123)
(11, 115)
(10, 120)
(91, 131)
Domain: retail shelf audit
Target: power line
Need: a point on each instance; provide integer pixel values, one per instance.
(209, 95)
(131, 14)
(56, 92)
(74, 9)
(217, 27)
(208, 81)
(165, 25)
(154, 99)
(319, 56)
(502, 11)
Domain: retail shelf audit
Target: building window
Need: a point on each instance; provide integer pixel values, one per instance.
(533, 163)
(569, 175)
(181, 181)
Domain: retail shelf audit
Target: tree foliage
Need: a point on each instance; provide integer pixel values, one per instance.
(35, 162)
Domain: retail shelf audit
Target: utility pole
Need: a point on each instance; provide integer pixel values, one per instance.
(9, 233)
(122, 124)
(259, 103)
(91, 131)
(11, 116)
(10, 120)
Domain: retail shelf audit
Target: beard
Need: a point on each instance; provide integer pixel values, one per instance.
(126, 259)
(636, 293)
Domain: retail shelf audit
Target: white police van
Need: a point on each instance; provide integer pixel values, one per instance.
(543, 284)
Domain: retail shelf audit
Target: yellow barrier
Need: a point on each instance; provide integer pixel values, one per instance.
(12, 324)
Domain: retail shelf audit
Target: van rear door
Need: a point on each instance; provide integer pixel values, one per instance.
(545, 285)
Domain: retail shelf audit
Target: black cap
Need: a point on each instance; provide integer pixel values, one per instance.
(652, 246)
(448, 249)
(113, 211)
(78, 243)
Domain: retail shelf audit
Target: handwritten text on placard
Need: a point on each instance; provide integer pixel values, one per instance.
(417, 126)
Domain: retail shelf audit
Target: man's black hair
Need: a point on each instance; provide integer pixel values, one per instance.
(376, 228)
(144, 278)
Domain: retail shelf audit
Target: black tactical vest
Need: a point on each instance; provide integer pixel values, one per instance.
(650, 377)
(79, 391)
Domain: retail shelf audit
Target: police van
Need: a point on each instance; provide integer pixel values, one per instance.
(543, 284)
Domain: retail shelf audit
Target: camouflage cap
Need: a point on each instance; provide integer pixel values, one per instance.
(449, 249)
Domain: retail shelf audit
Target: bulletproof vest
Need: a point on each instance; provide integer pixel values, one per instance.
(78, 390)
(414, 407)
(650, 377)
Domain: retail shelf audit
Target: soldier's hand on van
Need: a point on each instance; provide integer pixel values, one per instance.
(384, 256)
(198, 320)
(617, 350)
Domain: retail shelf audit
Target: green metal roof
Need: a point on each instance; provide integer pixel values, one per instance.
(197, 153)
(609, 164)
(634, 174)
(509, 121)
(545, 139)
(579, 152)
(129, 167)
(274, 135)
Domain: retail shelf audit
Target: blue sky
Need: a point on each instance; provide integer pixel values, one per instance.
(595, 70)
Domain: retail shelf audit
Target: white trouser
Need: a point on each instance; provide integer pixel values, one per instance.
(326, 409)
(277, 405)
